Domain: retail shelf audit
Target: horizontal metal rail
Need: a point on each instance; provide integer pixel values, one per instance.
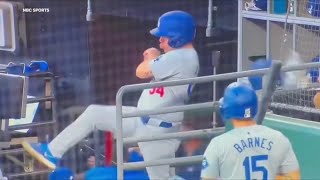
(135, 87)
(203, 133)
(28, 174)
(22, 126)
(42, 75)
(33, 100)
(300, 67)
(295, 107)
(203, 79)
(171, 109)
(12, 151)
(173, 162)
(218, 77)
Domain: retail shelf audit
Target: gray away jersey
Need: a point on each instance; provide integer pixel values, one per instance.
(253, 152)
(173, 65)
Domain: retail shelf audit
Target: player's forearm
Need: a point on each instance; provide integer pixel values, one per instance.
(143, 71)
(294, 175)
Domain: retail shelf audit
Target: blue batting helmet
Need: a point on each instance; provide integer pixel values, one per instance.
(239, 102)
(257, 81)
(178, 26)
(313, 8)
(61, 174)
(23, 69)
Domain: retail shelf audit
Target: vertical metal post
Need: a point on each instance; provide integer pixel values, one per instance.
(239, 64)
(294, 30)
(6, 137)
(48, 92)
(211, 29)
(54, 106)
(96, 147)
(6, 126)
(215, 56)
(268, 32)
(89, 16)
(209, 23)
(119, 134)
(268, 40)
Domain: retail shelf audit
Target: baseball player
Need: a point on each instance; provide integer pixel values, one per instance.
(176, 30)
(249, 151)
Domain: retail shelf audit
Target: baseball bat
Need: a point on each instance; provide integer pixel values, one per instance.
(268, 90)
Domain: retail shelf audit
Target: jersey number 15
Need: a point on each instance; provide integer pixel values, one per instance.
(250, 166)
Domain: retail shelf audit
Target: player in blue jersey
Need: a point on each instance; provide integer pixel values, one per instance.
(176, 31)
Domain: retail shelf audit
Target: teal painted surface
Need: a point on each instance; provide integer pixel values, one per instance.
(280, 6)
(305, 139)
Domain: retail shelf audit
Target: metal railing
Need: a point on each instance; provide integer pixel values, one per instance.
(48, 98)
(200, 133)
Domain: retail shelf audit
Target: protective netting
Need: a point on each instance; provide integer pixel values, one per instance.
(298, 95)
(89, 61)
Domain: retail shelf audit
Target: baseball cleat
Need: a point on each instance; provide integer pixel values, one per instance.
(41, 153)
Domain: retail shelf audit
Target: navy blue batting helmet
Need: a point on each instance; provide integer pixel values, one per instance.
(178, 26)
(239, 102)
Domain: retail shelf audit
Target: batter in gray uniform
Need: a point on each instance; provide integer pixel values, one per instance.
(249, 151)
(176, 31)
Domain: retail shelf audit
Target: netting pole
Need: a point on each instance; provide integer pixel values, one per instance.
(215, 62)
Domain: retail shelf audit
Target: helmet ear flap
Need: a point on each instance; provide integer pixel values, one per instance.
(176, 41)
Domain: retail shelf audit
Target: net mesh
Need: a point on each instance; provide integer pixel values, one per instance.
(298, 95)
(91, 60)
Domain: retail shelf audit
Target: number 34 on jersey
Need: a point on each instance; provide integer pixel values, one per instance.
(157, 91)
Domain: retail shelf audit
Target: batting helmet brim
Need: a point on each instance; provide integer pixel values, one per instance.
(156, 32)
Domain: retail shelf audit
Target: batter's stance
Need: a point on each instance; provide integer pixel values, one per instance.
(176, 30)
